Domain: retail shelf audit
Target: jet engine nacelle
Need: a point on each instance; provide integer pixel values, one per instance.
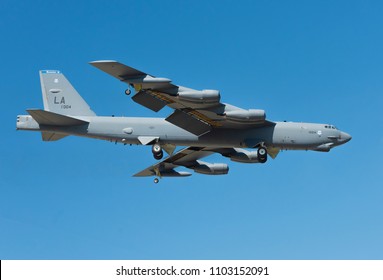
(212, 168)
(252, 115)
(245, 157)
(203, 96)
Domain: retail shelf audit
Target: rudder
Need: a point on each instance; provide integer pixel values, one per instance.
(60, 97)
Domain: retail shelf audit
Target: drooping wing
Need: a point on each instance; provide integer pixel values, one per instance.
(197, 111)
(186, 157)
(189, 158)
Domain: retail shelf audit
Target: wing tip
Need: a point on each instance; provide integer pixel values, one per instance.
(102, 61)
(50, 72)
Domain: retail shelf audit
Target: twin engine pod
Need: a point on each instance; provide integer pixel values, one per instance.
(210, 168)
(252, 115)
(212, 96)
(201, 97)
(245, 157)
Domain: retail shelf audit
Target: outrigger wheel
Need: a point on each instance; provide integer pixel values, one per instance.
(128, 91)
(156, 180)
(262, 154)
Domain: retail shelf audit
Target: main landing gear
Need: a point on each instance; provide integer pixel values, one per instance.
(262, 154)
(157, 152)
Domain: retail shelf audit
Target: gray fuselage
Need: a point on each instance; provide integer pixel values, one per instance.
(129, 130)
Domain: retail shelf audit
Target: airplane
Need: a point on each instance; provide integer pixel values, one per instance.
(200, 122)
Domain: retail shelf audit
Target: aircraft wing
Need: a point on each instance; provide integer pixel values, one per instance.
(190, 158)
(186, 157)
(197, 111)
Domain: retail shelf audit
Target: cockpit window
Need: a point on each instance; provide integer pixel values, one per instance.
(330, 126)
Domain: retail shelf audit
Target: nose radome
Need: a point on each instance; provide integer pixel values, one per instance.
(345, 137)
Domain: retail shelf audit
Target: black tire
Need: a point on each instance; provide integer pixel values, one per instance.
(156, 180)
(158, 156)
(263, 160)
(128, 91)
(262, 154)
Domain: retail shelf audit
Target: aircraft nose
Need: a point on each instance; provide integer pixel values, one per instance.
(345, 137)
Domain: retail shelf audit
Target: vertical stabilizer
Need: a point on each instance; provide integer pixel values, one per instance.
(60, 97)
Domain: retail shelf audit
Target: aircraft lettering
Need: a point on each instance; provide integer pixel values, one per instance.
(66, 106)
(62, 101)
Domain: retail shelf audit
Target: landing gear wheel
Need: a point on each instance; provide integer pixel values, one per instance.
(158, 156)
(156, 149)
(156, 180)
(262, 154)
(128, 91)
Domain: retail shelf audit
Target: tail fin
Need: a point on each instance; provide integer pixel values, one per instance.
(60, 97)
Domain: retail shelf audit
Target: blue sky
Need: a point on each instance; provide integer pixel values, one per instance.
(312, 61)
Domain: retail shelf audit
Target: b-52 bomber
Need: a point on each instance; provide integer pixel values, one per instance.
(200, 122)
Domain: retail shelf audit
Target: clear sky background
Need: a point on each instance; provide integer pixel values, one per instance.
(311, 61)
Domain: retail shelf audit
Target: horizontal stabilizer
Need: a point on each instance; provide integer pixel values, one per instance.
(52, 136)
(49, 118)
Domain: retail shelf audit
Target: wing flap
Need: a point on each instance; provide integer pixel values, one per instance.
(149, 101)
(188, 122)
(273, 152)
